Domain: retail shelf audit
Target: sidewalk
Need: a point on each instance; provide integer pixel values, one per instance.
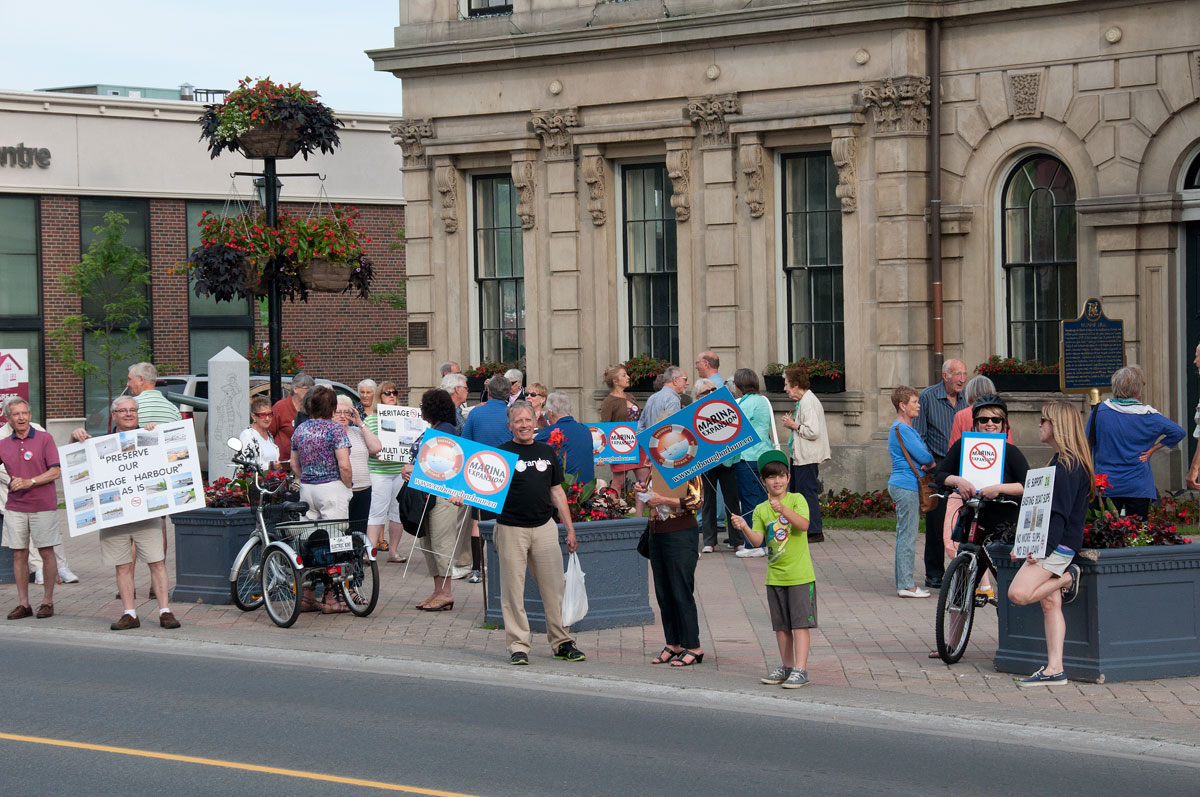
(870, 643)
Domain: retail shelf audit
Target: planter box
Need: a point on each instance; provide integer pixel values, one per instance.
(1137, 617)
(825, 384)
(643, 385)
(475, 384)
(773, 383)
(617, 577)
(206, 543)
(1025, 383)
(6, 566)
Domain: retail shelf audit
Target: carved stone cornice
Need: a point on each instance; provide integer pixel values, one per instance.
(445, 177)
(522, 176)
(709, 113)
(552, 126)
(409, 134)
(750, 159)
(594, 174)
(844, 149)
(899, 105)
(679, 170)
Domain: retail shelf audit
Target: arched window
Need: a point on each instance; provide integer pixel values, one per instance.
(1039, 256)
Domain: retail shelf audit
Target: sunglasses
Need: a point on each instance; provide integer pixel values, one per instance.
(989, 419)
(263, 414)
(706, 392)
(533, 394)
(391, 393)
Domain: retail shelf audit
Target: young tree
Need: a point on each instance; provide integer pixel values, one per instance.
(110, 282)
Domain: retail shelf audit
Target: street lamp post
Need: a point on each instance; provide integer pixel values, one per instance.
(274, 310)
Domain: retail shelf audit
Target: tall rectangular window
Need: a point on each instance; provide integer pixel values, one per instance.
(213, 325)
(499, 269)
(651, 262)
(20, 297)
(812, 257)
(137, 235)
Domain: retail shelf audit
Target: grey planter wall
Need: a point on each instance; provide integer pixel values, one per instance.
(617, 577)
(6, 565)
(1137, 617)
(206, 543)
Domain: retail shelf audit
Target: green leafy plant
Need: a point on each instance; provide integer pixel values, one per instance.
(827, 368)
(259, 357)
(644, 367)
(111, 283)
(586, 500)
(257, 103)
(1012, 365)
(848, 504)
(240, 491)
(489, 368)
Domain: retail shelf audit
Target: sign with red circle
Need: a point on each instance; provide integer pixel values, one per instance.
(623, 439)
(717, 421)
(984, 455)
(441, 458)
(487, 473)
(672, 446)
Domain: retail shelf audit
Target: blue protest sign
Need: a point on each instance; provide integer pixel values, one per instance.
(454, 466)
(614, 443)
(697, 437)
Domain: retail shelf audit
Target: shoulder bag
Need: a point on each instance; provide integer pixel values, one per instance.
(929, 501)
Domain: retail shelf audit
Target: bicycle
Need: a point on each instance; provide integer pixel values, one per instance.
(957, 599)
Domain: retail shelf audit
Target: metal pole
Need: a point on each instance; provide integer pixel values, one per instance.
(274, 309)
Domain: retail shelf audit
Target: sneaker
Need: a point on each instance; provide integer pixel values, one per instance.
(987, 592)
(1040, 678)
(915, 592)
(1072, 592)
(125, 622)
(167, 620)
(459, 572)
(38, 579)
(751, 553)
(519, 657)
(66, 576)
(568, 652)
(706, 549)
(777, 676)
(796, 679)
(475, 577)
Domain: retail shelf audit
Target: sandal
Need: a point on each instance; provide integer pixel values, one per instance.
(383, 545)
(666, 656)
(310, 605)
(337, 607)
(436, 606)
(682, 659)
(397, 560)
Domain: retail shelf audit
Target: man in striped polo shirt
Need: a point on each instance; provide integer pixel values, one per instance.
(939, 403)
(153, 408)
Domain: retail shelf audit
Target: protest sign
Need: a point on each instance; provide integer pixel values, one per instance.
(454, 466)
(399, 428)
(614, 443)
(14, 376)
(1033, 523)
(982, 462)
(127, 476)
(697, 437)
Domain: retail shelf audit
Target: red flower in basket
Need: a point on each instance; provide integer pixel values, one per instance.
(1102, 482)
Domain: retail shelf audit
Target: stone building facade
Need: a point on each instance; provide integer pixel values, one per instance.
(754, 178)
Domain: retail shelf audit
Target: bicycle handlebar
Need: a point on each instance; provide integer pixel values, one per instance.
(1000, 499)
(242, 459)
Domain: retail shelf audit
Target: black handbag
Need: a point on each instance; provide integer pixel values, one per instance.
(643, 546)
(414, 510)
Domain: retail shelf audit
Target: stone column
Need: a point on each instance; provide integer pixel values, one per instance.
(687, 263)
(598, 257)
(410, 135)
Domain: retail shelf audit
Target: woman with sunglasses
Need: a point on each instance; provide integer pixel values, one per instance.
(536, 394)
(257, 437)
(386, 480)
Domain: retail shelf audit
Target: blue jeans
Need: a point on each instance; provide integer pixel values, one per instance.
(908, 515)
(751, 493)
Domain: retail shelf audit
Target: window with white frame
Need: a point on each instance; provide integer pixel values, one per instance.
(650, 265)
(499, 269)
(812, 257)
(1039, 256)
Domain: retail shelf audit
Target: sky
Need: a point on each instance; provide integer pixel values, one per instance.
(210, 44)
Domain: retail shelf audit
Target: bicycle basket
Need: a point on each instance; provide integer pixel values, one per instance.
(310, 539)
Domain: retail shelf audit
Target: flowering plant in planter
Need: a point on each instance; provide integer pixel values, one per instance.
(644, 367)
(830, 369)
(1012, 365)
(257, 104)
(1107, 528)
(225, 492)
(489, 368)
(847, 504)
(591, 500)
(259, 358)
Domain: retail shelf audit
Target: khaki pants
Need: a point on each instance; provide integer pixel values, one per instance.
(519, 548)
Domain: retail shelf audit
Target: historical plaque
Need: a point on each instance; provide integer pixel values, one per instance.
(1092, 349)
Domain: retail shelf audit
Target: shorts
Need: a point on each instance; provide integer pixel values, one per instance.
(384, 489)
(116, 545)
(22, 528)
(792, 607)
(1056, 562)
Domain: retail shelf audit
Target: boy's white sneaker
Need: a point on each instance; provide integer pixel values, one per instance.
(751, 553)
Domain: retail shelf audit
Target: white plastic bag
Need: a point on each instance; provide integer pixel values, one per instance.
(575, 602)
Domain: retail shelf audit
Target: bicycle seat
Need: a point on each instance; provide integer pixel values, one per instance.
(299, 507)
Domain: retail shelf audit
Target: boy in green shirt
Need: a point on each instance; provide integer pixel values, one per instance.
(791, 584)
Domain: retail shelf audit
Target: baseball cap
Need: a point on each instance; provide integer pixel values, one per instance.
(774, 455)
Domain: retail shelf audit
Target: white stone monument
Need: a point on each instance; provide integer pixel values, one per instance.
(228, 408)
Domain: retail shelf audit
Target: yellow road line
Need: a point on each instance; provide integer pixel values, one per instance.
(213, 762)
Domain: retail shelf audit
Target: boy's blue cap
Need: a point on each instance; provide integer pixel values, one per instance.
(774, 455)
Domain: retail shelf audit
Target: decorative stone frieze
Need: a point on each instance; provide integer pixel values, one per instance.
(409, 134)
(594, 176)
(709, 113)
(1025, 88)
(899, 105)
(522, 176)
(445, 177)
(679, 170)
(844, 149)
(750, 159)
(552, 126)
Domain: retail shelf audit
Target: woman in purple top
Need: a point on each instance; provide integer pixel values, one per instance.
(321, 455)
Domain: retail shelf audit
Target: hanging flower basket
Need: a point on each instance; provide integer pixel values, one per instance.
(263, 119)
(273, 140)
(324, 276)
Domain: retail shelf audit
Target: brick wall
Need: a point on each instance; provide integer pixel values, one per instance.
(60, 251)
(168, 292)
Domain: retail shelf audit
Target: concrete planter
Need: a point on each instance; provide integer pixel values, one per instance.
(617, 577)
(206, 543)
(1137, 617)
(6, 566)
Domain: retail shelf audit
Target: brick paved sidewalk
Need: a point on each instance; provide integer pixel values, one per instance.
(868, 639)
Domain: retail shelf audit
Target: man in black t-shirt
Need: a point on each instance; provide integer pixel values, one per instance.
(526, 537)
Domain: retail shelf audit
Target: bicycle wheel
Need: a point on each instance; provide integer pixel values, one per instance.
(956, 609)
(246, 586)
(362, 590)
(281, 587)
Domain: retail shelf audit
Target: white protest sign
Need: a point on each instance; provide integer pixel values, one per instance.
(399, 428)
(128, 476)
(1033, 524)
(982, 462)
